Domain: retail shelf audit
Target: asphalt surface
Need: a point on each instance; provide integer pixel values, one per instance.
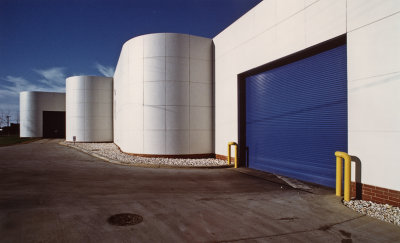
(53, 193)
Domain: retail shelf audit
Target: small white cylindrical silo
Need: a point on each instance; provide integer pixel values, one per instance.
(89, 109)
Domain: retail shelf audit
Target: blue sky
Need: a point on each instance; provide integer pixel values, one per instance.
(44, 41)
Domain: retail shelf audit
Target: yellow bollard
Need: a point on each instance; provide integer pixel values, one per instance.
(229, 153)
(236, 153)
(347, 174)
(338, 176)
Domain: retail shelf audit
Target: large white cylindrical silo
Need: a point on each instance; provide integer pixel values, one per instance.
(163, 95)
(89, 109)
(32, 105)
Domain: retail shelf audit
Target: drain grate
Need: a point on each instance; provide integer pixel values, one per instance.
(125, 219)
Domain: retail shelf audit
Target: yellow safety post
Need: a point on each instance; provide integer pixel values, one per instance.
(339, 175)
(229, 153)
(347, 173)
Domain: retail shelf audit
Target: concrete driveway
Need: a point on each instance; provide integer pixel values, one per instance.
(52, 193)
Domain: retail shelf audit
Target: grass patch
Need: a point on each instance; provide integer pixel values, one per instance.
(11, 140)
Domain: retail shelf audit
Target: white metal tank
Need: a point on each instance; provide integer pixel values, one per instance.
(89, 109)
(163, 95)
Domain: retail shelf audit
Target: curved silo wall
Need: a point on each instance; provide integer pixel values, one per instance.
(32, 105)
(89, 109)
(163, 95)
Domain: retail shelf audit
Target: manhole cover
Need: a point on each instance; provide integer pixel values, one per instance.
(124, 219)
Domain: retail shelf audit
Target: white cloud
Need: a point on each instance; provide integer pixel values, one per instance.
(54, 78)
(17, 81)
(106, 71)
(16, 85)
(9, 94)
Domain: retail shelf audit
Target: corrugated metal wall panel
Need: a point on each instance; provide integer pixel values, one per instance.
(296, 117)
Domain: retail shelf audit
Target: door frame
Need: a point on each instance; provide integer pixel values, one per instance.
(241, 85)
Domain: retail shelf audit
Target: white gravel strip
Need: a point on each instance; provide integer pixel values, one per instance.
(111, 151)
(383, 212)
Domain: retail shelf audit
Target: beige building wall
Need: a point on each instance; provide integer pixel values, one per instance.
(373, 54)
(277, 28)
(271, 30)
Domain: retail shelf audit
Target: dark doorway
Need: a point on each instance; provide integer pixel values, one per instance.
(54, 124)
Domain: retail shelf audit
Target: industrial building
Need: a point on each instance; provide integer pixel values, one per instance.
(42, 114)
(290, 81)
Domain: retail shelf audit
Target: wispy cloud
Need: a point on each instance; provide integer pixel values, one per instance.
(106, 71)
(53, 78)
(9, 94)
(14, 85)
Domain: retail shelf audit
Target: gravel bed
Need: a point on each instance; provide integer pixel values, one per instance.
(112, 152)
(383, 212)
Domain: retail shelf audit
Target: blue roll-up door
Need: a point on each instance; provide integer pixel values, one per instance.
(296, 117)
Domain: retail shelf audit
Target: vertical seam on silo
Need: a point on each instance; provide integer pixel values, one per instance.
(84, 109)
(143, 95)
(165, 93)
(189, 95)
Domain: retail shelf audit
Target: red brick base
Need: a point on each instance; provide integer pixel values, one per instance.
(375, 194)
(219, 156)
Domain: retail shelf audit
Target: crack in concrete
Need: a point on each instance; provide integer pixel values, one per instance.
(323, 228)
